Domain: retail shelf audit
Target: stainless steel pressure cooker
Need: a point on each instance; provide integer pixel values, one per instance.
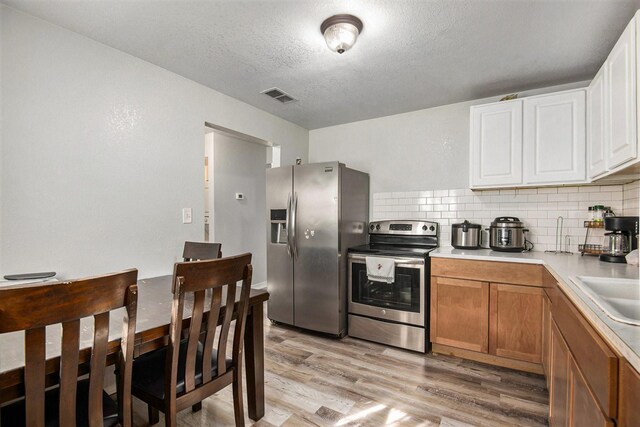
(507, 234)
(466, 235)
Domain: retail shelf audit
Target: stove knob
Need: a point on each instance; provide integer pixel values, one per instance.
(372, 226)
(424, 227)
(432, 228)
(378, 227)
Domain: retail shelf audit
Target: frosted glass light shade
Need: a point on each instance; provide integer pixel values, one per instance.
(340, 37)
(341, 32)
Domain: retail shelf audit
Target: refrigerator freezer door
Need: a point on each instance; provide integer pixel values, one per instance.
(317, 294)
(279, 261)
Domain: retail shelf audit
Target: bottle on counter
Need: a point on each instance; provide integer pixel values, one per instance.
(598, 213)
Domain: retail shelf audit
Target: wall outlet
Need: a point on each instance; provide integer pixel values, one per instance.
(186, 216)
(239, 196)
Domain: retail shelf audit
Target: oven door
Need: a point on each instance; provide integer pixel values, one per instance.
(401, 301)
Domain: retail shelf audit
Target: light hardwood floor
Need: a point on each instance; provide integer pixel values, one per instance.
(312, 380)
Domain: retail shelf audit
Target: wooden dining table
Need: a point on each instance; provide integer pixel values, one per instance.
(152, 331)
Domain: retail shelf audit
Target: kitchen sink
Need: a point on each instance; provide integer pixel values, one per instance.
(618, 298)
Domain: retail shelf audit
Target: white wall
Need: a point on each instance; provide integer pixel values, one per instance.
(240, 225)
(101, 151)
(421, 150)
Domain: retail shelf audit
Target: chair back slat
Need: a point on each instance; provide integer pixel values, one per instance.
(69, 372)
(226, 326)
(66, 303)
(34, 375)
(194, 335)
(238, 335)
(98, 360)
(125, 410)
(212, 323)
(173, 347)
(197, 251)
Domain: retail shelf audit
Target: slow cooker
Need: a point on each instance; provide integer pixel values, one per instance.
(506, 234)
(466, 235)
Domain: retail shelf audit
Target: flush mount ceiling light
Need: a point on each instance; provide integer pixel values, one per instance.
(341, 32)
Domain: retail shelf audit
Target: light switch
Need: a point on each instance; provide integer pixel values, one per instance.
(239, 196)
(186, 215)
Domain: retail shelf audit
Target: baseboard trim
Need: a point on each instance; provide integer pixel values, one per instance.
(490, 359)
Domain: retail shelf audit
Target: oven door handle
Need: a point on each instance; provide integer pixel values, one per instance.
(398, 261)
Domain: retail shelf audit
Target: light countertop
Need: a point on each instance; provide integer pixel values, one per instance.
(623, 338)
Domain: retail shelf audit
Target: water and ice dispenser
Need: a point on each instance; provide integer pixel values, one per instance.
(279, 226)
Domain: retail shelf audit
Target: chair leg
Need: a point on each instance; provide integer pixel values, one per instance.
(154, 416)
(197, 407)
(238, 411)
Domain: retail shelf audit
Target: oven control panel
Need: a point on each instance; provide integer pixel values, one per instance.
(404, 228)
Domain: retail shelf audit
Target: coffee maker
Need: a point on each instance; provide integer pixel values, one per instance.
(621, 239)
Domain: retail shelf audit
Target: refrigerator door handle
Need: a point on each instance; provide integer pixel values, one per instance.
(294, 211)
(288, 225)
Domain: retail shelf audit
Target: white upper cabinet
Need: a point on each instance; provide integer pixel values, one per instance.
(554, 138)
(621, 81)
(496, 144)
(597, 143)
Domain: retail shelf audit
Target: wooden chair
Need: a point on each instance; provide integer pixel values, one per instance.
(31, 308)
(187, 371)
(197, 251)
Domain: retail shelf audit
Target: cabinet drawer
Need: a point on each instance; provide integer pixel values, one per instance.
(488, 271)
(594, 358)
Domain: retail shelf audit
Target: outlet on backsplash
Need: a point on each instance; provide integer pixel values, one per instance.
(538, 208)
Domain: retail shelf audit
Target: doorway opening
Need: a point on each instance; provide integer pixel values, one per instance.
(234, 177)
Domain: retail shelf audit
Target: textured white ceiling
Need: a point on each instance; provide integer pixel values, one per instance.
(411, 54)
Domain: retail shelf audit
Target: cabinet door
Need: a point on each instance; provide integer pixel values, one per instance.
(621, 91)
(496, 144)
(546, 337)
(584, 410)
(629, 398)
(515, 322)
(559, 390)
(554, 138)
(597, 144)
(460, 313)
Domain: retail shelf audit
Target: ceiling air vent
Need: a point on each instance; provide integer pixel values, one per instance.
(279, 95)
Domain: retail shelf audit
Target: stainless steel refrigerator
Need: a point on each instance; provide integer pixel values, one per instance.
(314, 213)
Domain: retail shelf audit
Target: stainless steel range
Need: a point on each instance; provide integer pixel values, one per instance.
(393, 311)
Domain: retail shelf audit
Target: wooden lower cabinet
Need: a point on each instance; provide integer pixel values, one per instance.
(460, 313)
(629, 396)
(559, 384)
(515, 316)
(546, 337)
(583, 409)
(531, 324)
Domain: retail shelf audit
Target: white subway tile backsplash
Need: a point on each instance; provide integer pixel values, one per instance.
(631, 199)
(567, 190)
(538, 208)
(528, 191)
(537, 198)
(551, 190)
